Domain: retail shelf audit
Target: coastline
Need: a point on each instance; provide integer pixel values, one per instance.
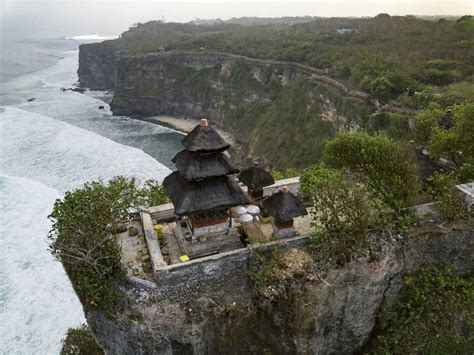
(186, 125)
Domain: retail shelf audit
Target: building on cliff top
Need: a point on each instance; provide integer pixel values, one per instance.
(256, 178)
(283, 206)
(201, 189)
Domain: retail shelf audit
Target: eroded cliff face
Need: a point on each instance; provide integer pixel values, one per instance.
(98, 66)
(255, 100)
(306, 312)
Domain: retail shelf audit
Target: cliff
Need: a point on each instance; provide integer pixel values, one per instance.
(304, 311)
(255, 100)
(98, 65)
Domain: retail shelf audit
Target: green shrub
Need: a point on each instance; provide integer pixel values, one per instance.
(435, 316)
(456, 143)
(79, 341)
(83, 237)
(389, 172)
(450, 201)
(425, 121)
(285, 174)
(341, 213)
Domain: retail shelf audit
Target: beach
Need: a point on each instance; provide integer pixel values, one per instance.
(186, 125)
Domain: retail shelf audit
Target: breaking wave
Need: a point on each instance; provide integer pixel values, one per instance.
(92, 37)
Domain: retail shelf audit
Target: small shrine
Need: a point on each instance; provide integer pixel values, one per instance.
(202, 190)
(284, 207)
(256, 178)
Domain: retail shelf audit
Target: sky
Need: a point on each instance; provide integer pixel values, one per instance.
(114, 16)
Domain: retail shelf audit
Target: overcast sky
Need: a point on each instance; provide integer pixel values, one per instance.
(115, 16)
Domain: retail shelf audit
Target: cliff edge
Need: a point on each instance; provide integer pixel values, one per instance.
(306, 311)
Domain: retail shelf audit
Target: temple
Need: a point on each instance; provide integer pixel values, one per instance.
(202, 190)
(284, 207)
(256, 178)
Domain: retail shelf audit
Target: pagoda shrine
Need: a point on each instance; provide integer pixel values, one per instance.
(202, 190)
(256, 178)
(284, 207)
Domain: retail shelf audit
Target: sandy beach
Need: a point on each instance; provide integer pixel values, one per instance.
(186, 125)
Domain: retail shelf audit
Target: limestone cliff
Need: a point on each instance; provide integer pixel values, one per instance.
(307, 312)
(98, 65)
(256, 100)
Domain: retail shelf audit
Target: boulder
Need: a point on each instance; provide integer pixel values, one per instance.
(120, 228)
(132, 231)
(32, 99)
(101, 107)
(79, 90)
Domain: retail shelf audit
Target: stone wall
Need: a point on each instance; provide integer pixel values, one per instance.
(220, 265)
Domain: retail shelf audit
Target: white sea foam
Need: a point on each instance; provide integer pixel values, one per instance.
(53, 144)
(63, 156)
(91, 37)
(37, 302)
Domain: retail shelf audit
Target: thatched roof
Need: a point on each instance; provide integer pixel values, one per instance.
(204, 138)
(195, 166)
(203, 195)
(284, 206)
(255, 177)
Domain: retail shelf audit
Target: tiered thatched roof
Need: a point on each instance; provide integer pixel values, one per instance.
(204, 195)
(256, 178)
(204, 138)
(194, 166)
(201, 183)
(283, 206)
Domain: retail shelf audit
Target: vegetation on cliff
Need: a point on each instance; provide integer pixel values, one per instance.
(79, 341)
(406, 61)
(298, 121)
(386, 167)
(83, 235)
(384, 55)
(435, 315)
(455, 143)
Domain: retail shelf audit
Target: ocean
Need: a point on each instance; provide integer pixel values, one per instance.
(49, 145)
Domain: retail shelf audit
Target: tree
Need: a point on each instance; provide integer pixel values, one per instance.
(83, 235)
(424, 122)
(457, 142)
(378, 88)
(341, 213)
(387, 168)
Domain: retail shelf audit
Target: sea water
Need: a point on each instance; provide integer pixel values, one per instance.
(49, 145)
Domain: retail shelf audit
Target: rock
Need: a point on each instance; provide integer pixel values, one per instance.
(120, 228)
(63, 89)
(79, 90)
(165, 251)
(101, 107)
(132, 231)
(32, 99)
(145, 258)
